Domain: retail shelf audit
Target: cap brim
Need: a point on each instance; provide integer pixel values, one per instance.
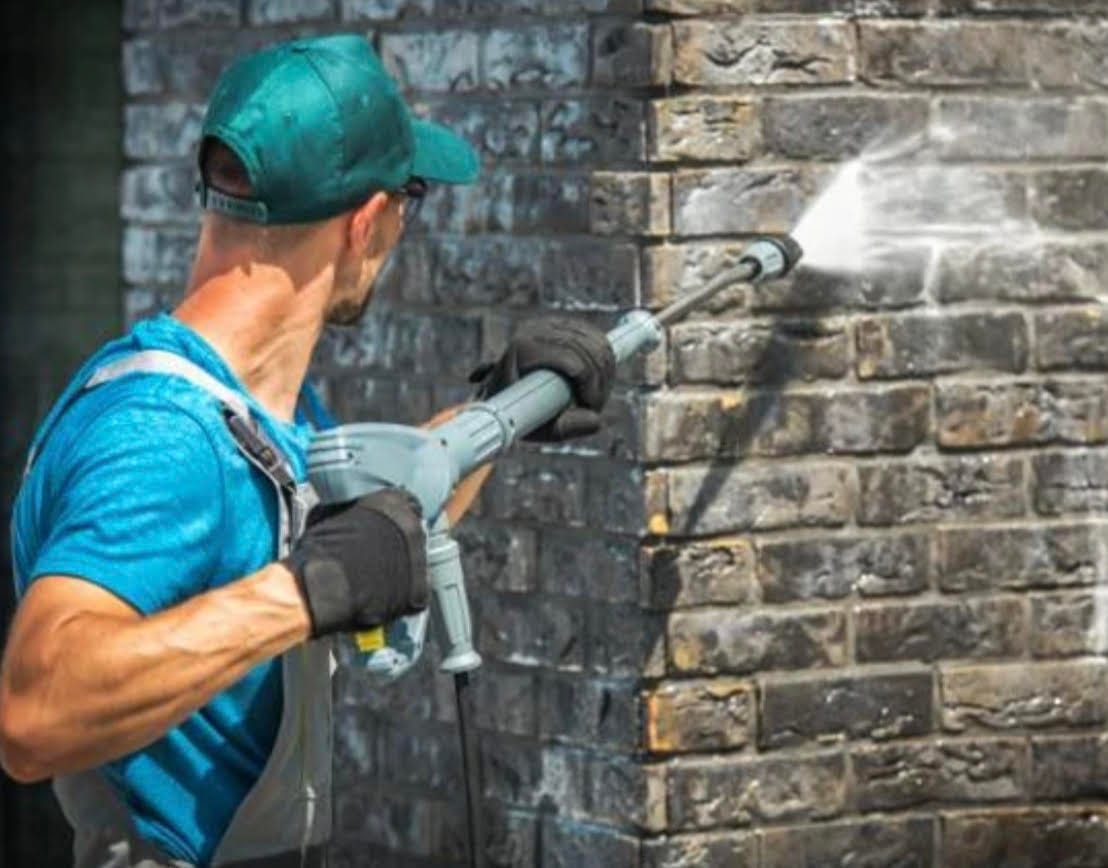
(442, 155)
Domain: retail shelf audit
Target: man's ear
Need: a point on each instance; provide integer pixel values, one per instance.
(360, 230)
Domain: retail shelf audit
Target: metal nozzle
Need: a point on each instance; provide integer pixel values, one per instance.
(770, 257)
(774, 256)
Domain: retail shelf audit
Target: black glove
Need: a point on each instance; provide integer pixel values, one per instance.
(578, 351)
(362, 563)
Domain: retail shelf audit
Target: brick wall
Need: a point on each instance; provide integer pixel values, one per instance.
(826, 592)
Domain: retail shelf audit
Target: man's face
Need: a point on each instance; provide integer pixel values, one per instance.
(356, 279)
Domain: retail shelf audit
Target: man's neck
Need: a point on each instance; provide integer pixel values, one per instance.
(263, 326)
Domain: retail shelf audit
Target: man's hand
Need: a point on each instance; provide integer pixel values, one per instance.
(578, 351)
(362, 563)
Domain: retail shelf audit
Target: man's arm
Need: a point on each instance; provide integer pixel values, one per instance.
(86, 678)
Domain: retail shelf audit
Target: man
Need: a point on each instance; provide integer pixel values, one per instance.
(168, 665)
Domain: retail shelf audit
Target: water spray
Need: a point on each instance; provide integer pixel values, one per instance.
(883, 206)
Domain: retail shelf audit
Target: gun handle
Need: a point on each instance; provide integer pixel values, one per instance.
(444, 561)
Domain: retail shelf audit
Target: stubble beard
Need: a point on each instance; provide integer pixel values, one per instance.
(349, 311)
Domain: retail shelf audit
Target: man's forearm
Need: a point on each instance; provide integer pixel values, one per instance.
(105, 686)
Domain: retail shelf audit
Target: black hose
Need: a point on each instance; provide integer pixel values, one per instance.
(471, 768)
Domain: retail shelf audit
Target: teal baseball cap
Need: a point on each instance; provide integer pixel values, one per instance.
(319, 126)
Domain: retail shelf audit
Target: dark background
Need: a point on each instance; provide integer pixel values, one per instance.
(59, 275)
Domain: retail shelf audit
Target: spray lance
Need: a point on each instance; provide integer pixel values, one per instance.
(351, 461)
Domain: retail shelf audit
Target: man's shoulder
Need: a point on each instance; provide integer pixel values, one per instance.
(152, 413)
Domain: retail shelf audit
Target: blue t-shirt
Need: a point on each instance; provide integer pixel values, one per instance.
(140, 488)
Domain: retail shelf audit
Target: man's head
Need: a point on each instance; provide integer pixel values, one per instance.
(309, 149)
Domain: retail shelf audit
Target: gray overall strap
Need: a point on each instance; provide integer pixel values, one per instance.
(165, 362)
(293, 501)
(285, 820)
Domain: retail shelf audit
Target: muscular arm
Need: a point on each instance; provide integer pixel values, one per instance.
(86, 678)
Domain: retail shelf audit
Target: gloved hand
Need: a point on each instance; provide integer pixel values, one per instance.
(578, 351)
(362, 563)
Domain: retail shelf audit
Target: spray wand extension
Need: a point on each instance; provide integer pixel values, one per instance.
(768, 258)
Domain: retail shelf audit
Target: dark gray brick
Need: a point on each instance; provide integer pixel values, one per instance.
(498, 557)
(549, 203)
(629, 203)
(897, 776)
(940, 489)
(530, 629)
(566, 844)
(589, 711)
(719, 500)
(705, 128)
(1025, 271)
(932, 631)
(931, 53)
(715, 714)
(692, 574)
(628, 54)
(1022, 127)
(586, 274)
(1069, 624)
(1066, 482)
(1022, 694)
(1035, 837)
(580, 563)
(732, 849)
(208, 13)
(973, 415)
(686, 425)
(731, 201)
(159, 194)
(709, 641)
(907, 843)
(1069, 767)
(710, 793)
(443, 60)
(1072, 339)
(158, 255)
(384, 10)
(797, 710)
(923, 344)
(161, 131)
(596, 130)
(1070, 198)
(756, 352)
(1042, 556)
(484, 270)
(762, 52)
(264, 12)
(833, 567)
(548, 57)
(832, 127)
(501, 130)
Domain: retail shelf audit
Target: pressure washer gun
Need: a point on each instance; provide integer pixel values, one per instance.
(353, 460)
(350, 461)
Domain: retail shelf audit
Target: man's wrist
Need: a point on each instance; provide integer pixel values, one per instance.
(285, 589)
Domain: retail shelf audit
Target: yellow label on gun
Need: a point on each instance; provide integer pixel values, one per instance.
(370, 640)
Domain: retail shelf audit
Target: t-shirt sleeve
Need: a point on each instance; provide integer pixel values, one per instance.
(137, 507)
